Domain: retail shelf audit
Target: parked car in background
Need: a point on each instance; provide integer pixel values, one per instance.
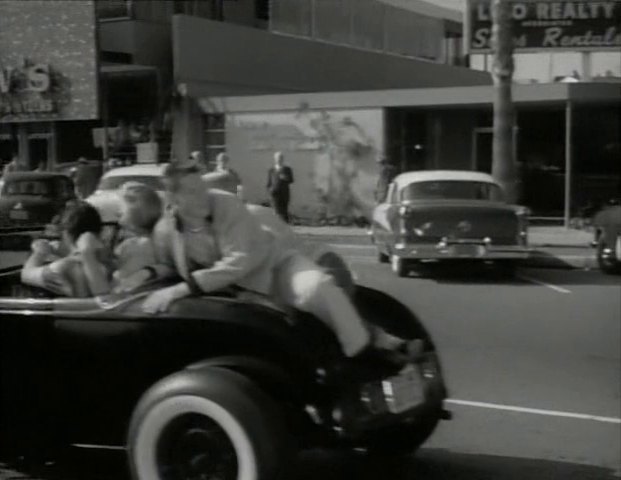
(607, 224)
(33, 199)
(447, 215)
(106, 197)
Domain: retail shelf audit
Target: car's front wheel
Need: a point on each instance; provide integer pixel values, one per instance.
(207, 424)
(607, 257)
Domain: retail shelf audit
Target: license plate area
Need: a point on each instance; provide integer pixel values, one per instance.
(404, 391)
(18, 215)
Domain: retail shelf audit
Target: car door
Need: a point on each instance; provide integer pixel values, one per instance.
(29, 377)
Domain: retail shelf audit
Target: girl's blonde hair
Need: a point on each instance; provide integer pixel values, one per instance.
(143, 206)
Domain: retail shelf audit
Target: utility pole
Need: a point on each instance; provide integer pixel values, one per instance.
(504, 168)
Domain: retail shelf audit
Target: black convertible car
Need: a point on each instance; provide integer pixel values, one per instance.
(219, 387)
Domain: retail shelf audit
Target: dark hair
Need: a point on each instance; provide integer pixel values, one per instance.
(80, 218)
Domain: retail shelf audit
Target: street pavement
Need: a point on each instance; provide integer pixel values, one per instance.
(533, 366)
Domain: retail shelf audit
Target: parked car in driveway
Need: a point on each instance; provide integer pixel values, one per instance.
(448, 215)
(106, 197)
(607, 224)
(32, 199)
(221, 386)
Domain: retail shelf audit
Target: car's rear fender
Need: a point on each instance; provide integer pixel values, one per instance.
(273, 378)
(292, 391)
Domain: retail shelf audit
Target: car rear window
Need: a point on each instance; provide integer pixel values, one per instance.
(28, 187)
(452, 190)
(117, 181)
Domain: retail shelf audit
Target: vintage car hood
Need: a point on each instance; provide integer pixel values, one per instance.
(433, 220)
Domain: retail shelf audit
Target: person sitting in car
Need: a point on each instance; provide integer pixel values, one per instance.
(141, 209)
(78, 265)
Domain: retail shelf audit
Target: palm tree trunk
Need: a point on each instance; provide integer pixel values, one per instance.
(503, 161)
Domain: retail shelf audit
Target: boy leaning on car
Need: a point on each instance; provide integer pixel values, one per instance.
(211, 240)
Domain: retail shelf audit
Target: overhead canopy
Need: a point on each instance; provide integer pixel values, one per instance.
(126, 69)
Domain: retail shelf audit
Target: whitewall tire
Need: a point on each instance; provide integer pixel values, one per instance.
(208, 424)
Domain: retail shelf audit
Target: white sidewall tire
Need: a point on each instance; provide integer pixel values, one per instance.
(397, 265)
(161, 414)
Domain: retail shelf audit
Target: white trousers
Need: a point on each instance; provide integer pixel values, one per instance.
(301, 283)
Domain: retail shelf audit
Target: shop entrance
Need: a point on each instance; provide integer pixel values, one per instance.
(40, 150)
(482, 146)
(7, 149)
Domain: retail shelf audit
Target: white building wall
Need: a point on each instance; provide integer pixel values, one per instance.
(544, 67)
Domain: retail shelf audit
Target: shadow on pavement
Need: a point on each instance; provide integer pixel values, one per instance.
(435, 464)
(480, 274)
(544, 259)
(428, 464)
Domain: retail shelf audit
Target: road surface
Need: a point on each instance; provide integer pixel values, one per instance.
(533, 366)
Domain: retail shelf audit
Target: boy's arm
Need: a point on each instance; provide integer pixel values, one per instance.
(95, 271)
(37, 273)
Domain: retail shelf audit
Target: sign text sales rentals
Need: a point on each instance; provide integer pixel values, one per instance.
(551, 25)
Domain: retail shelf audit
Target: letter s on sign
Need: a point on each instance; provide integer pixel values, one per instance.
(39, 78)
(480, 39)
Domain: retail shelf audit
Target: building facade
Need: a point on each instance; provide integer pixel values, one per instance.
(154, 58)
(567, 142)
(49, 79)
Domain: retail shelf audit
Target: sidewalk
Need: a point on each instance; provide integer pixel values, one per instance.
(549, 237)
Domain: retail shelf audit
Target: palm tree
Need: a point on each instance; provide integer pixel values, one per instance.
(503, 161)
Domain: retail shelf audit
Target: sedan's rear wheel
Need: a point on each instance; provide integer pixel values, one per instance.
(399, 266)
(607, 258)
(210, 424)
(382, 257)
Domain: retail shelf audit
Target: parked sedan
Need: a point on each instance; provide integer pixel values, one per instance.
(445, 215)
(32, 199)
(106, 197)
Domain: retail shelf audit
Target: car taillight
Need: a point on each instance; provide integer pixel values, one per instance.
(523, 214)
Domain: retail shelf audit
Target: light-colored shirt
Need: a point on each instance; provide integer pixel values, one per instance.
(233, 248)
(133, 254)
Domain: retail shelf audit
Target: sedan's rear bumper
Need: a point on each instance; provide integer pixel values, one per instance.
(460, 251)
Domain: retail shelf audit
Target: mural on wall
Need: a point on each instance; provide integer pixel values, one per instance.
(333, 154)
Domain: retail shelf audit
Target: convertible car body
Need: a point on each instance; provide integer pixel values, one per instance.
(448, 215)
(218, 387)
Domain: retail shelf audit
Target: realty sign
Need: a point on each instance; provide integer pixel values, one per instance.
(550, 25)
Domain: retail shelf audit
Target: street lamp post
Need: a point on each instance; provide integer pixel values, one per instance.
(503, 161)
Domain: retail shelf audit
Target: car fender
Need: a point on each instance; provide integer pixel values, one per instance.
(273, 378)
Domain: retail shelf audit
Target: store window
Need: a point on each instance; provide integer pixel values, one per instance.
(214, 136)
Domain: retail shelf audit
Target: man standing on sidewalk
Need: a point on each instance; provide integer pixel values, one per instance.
(388, 172)
(279, 177)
